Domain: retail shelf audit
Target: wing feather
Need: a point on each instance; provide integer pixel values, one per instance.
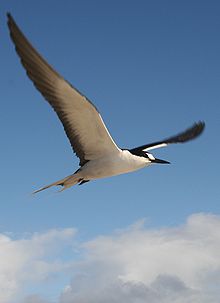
(81, 120)
(189, 134)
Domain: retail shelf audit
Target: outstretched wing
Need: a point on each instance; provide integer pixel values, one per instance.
(81, 120)
(189, 134)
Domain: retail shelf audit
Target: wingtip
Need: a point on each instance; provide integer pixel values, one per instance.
(9, 16)
(203, 124)
(10, 20)
(200, 125)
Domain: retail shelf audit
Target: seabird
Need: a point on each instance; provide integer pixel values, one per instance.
(99, 155)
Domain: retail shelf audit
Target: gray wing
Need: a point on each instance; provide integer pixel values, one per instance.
(189, 134)
(82, 122)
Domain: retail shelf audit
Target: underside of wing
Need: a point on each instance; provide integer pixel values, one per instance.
(82, 122)
(189, 134)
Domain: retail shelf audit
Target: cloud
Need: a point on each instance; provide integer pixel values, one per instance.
(26, 261)
(34, 299)
(144, 265)
(135, 265)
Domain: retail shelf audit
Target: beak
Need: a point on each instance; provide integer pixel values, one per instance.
(160, 161)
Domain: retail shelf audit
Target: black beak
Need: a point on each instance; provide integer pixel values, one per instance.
(160, 161)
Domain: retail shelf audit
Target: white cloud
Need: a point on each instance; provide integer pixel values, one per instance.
(134, 265)
(34, 299)
(25, 260)
(143, 265)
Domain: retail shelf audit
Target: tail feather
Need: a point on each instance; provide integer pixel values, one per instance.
(65, 182)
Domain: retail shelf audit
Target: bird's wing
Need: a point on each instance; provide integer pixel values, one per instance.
(189, 134)
(82, 122)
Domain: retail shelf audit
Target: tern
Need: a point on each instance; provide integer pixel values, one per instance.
(99, 155)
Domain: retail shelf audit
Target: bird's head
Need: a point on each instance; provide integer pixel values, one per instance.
(155, 160)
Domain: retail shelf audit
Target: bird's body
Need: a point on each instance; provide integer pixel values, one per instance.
(99, 155)
(106, 166)
(112, 165)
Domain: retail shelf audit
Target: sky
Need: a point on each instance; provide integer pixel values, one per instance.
(152, 69)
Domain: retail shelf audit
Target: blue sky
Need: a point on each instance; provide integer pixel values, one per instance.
(152, 68)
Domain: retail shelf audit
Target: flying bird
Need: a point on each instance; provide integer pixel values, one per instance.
(99, 155)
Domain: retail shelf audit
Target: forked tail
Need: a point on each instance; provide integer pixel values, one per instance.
(65, 183)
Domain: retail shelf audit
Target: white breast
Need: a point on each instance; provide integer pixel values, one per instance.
(114, 164)
(132, 162)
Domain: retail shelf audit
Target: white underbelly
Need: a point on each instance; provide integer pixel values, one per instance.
(112, 165)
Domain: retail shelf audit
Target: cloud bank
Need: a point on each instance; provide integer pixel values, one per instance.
(30, 260)
(142, 265)
(135, 265)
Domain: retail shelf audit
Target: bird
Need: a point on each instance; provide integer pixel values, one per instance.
(99, 155)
